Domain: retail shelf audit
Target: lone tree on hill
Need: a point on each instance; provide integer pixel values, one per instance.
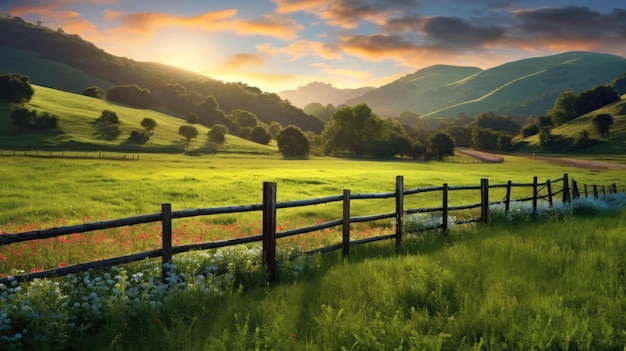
(260, 135)
(15, 88)
(292, 141)
(603, 123)
(148, 124)
(188, 132)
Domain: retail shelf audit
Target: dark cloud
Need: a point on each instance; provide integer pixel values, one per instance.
(570, 22)
(454, 32)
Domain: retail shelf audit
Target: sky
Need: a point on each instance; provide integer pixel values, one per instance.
(282, 44)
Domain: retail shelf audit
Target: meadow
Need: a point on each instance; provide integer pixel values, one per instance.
(426, 295)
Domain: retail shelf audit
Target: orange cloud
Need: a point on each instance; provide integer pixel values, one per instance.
(148, 22)
(237, 61)
(304, 48)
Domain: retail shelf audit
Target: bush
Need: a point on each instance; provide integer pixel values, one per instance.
(29, 119)
(260, 135)
(218, 133)
(292, 142)
(148, 124)
(95, 92)
(108, 117)
(139, 137)
(131, 94)
(15, 88)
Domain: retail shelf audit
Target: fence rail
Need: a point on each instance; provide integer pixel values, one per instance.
(270, 206)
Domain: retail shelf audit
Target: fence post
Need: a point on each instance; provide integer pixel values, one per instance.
(614, 188)
(269, 229)
(444, 209)
(586, 190)
(345, 252)
(549, 185)
(603, 191)
(575, 192)
(507, 203)
(595, 191)
(399, 208)
(535, 195)
(566, 197)
(166, 239)
(484, 200)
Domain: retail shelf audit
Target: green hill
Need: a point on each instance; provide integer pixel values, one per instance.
(522, 87)
(65, 61)
(77, 114)
(614, 144)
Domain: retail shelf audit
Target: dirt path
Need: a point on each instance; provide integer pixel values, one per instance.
(590, 164)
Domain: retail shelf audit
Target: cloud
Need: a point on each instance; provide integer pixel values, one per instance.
(148, 22)
(453, 32)
(346, 14)
(240, 60)
(300, 49)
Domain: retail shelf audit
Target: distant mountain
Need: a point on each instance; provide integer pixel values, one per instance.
(322, 93)
(55, 59)
(527, 86)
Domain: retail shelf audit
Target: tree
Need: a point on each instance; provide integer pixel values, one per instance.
(108, 116)
(260, 135)
(462, 135)
(352, 130)
(15, 88)
(244, 118)
(94, 91)
(217, 133)
(417, 149)
(505, 142)
(603, 123)
(484, 139)
(564, 108)
(292, 141)
(498, 123)
(274, 128)
(131, 94)
(441, 144)
(139, 137)
(148, 124)
(529, 130)
(188, 132)
(192, 118)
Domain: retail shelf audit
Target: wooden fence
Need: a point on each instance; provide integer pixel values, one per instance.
(540, 191)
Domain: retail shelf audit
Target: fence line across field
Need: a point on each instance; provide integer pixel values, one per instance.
(270, 206)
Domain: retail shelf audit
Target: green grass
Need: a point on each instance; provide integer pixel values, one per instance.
(39, 190)
(77, 114)
(549, 284)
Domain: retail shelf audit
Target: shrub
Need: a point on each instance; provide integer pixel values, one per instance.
(139, 137)
(218, 133)
(108, 117)
(29, 119)
(15, 88)
(94, 91)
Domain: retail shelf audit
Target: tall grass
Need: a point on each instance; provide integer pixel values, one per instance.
(524, 282)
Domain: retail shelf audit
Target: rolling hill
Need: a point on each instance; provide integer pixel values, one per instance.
(77, 129)
(322, 93)
(64, 61)
(522, 87)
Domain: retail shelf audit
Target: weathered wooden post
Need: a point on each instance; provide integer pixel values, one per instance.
(507, 203)
(575, 192)
(399, 208)
(166, 240)
(269, 229)
(444, 209)
(535, 194)
(549, 185)
(595, 191)
(484, 200)
(566, 197)
(345, 248)
(603, 191)
(586, 195)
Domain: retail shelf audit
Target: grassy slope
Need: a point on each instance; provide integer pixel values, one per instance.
(615, 144)
(77, 114)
